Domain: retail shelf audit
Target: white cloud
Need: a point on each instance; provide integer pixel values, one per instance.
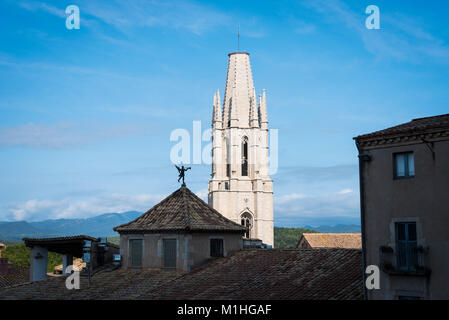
(344, 203)
(65, 135)
(203, 194)
(35, 5)
(289, 197)
(400, 37)
(188, 15)
(345, 191)
(37, 210)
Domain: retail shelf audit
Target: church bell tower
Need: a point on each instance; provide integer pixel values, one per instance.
(240, 187)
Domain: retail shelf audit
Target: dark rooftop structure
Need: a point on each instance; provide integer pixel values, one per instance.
(181, 211)
(316, 274)
(97, 250)
(15, 275)
(181, 232)
(428, 127)
(63, 245)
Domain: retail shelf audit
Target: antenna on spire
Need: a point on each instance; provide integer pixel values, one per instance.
(238, 38)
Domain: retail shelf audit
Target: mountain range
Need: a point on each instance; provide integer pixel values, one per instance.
(101, 226)
(98, 226)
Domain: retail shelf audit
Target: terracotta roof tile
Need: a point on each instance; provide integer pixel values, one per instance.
(247, 275)
(180, 211)
(332, 240)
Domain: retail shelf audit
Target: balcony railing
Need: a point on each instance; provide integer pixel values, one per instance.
(408, 262)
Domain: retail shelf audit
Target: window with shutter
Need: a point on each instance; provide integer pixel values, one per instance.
(136, 252)
(169, 253)
(216, 247)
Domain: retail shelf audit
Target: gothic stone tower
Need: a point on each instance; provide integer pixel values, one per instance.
(240, 187)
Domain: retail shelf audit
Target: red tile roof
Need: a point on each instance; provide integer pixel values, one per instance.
(181, 211)
(331, 240)
(245, 275)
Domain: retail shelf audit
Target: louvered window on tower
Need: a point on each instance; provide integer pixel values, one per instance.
(246, 221)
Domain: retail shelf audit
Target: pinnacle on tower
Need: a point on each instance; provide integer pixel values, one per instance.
(254, 114)
(217, 116)
(263, 111)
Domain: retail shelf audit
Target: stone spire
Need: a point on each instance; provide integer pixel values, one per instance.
(240, 186)
(239, 90)
(263, 111)
(217, 116)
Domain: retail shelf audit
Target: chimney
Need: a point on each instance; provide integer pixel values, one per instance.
(3, 266)
(3, 261)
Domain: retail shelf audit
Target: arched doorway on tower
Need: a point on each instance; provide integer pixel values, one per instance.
(246, 220)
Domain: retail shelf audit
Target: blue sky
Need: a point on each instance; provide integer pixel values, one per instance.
(86, 115)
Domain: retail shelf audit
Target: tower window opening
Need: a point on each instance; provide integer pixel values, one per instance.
(246, 221)
(245, 157)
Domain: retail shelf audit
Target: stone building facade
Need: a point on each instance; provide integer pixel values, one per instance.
(404, 186)
(241, 188)
(181, 232)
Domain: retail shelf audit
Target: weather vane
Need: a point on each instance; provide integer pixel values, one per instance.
(182, 171)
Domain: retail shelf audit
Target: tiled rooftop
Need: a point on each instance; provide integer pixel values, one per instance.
(16, 275)
(247, 274)
(419, 125)
(332, 240)
(181, 211)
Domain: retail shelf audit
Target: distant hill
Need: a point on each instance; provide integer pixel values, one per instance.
(101, 226)
(21, 229)
(339, 228)
(285, 238)
(19, 254)
(98, 226)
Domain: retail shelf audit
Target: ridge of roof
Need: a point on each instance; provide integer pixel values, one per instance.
(186, 205)
(432, 117)
(332, 233)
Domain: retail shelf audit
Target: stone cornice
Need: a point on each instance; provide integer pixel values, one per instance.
(391, 140)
